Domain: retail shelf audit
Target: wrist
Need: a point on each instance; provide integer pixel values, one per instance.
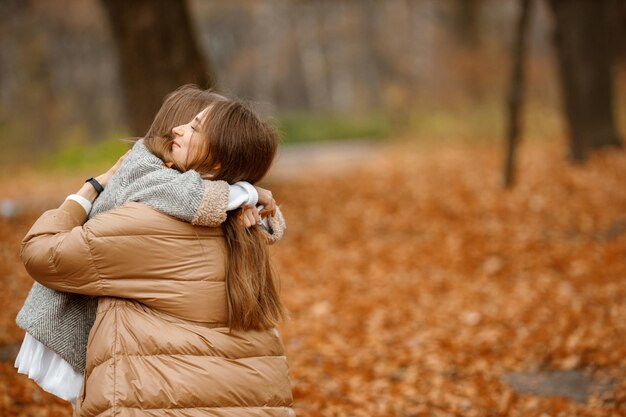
(85, 203)
(103, 179)
(95, 184)
(92, 187)
(87, 191)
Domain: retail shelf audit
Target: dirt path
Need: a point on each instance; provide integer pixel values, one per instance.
(337, 156)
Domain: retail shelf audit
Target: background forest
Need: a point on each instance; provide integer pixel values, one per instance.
(326, 70)
(452, 174)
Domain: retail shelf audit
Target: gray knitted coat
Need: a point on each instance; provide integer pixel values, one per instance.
(62, 321)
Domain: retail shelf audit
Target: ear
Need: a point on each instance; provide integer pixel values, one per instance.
(211, 174)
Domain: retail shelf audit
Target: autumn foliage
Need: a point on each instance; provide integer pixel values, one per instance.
(415, 282)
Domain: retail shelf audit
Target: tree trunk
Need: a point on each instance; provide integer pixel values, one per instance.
(467, 22)
(584, 56)
(618, 30)
(515, 93)
(157, 53)
(312, 56)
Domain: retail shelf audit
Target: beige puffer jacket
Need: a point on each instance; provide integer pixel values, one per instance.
(160, 345)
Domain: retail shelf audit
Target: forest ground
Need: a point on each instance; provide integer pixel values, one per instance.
(417, 285)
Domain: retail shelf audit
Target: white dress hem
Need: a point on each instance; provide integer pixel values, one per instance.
(48, 369)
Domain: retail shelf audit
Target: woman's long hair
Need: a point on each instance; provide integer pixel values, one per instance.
(239, 146)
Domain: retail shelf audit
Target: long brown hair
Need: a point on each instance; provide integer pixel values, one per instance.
(239, 146)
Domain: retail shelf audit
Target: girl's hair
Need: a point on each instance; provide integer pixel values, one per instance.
(179, 107)
(236, 146)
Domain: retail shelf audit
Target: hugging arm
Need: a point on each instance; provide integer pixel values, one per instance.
(63, 254)
(183, 195)
(56, 252)
(200, 202)
(106, 257)
(144, 178)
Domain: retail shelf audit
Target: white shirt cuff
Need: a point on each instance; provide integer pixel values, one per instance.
(241, 193)
(81, 200)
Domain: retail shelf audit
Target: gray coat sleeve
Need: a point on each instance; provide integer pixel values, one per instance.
(145, 179)
(183, 195)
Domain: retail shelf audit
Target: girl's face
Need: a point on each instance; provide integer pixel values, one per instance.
(185, 138)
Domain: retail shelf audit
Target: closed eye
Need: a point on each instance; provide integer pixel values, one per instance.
(196, 120)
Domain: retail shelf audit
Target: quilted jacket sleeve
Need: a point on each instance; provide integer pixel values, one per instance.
(131, 252)
(56, 252)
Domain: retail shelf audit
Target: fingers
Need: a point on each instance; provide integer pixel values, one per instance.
(247, 217)
(250, 216)
(264, 213)
(268, 209)
(265, 196)
(267, 201)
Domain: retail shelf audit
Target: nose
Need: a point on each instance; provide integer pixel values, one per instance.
(177, 131)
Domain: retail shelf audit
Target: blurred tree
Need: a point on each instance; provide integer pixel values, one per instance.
(370, 55)
(618, 29)
(465, 27)
(582, 36)
(312, 55)
(157, 53)
(467, 22)
(515, 92)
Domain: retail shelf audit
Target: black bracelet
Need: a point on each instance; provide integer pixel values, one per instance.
(99, 188)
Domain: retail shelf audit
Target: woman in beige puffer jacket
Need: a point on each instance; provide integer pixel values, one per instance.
(163, 342)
